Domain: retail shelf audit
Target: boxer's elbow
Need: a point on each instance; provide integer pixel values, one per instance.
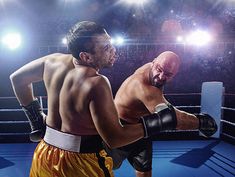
(14, 78)
(17, 79)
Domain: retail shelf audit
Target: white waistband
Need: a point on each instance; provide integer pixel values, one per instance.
(62, 140)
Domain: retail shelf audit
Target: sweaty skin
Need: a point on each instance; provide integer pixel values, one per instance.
(138, 97)
(80, 103)
(142, 91)
(80, 100)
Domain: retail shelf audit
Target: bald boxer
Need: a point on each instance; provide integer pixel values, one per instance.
(81, 110)
(138, 96)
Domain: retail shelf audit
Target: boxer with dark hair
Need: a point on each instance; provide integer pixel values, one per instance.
(81, 110)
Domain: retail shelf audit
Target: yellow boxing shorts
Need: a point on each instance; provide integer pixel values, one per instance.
(66, 155)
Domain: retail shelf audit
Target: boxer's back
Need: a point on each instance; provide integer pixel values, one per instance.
(75, 98)
(56, 68)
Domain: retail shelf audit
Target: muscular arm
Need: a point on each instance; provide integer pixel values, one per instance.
(23, 78)
(152, 96)
(186, 121)
(105, 118)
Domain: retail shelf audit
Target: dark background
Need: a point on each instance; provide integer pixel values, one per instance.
(150, 30)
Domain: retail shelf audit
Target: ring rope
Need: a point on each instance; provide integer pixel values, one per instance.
(8, 110)
(187, 106)
(13, 122)
(170, 94)
(226, 108)
(180, 131)
(228, 122)
(13, 97)
(229, 94)
(181, 94)
(225, 134)
(10, 134)
(15, 110)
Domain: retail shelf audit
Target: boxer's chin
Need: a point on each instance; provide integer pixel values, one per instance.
(158, 84)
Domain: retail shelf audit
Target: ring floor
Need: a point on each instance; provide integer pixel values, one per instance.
(174, 158)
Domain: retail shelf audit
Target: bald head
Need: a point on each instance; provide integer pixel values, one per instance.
(168, 59)
(164, 68)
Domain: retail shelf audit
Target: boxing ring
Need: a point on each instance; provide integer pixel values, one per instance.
(175, 153)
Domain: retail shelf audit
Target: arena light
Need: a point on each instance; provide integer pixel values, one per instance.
(135, 2)
(64, 41)
(118, 40)
(12, 40)
(198, 38)
(180, 39)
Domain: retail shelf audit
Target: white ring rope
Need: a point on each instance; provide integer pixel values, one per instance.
(15, 110)
(166, 94)
(10, 134)
(13, 121)
(10, 110)
(226, 108)
(187, 106)
(45, 109)
(13, 97)
(181, 94)
(225, 134)
(170, 94)
(230, 123)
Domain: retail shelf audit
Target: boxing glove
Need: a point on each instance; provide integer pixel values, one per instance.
(164, 118)
(37, 120)
(207, 125)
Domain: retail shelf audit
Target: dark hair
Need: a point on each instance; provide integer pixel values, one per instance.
(80, 37)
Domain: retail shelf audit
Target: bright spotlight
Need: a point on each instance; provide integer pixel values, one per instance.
(64, 40)
(112, 41)
(117, 41)
(180, 39)
(199, 38)
(12, 40)
(137, 2)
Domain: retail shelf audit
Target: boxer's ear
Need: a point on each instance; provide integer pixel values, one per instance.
(84, 56)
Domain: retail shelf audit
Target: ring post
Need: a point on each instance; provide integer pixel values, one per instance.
(212, 97)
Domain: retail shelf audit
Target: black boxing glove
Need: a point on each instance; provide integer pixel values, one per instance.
(164, 118)
(207, 124)
(37, 120)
